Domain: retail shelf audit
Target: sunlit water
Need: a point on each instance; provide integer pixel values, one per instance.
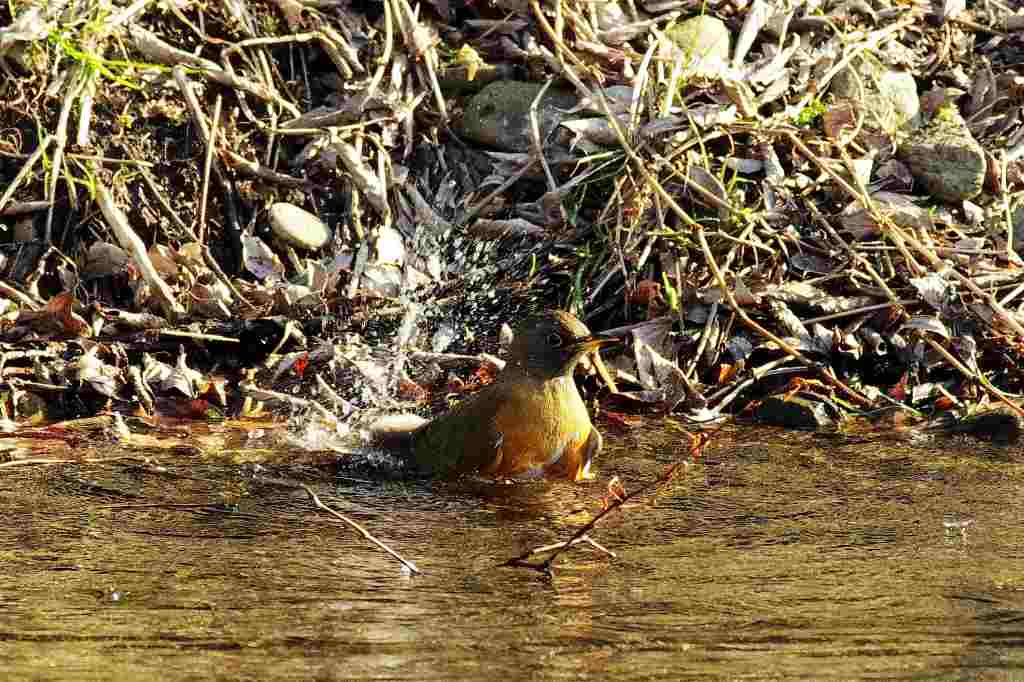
(780, 555)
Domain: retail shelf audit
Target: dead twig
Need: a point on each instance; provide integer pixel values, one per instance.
(617, 497)
(82, 460)
(25, 170)
(362, 531)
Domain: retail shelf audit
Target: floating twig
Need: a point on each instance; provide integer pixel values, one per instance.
(617, 497)
(362, 531)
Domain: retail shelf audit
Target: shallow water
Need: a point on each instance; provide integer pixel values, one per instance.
(779, 555)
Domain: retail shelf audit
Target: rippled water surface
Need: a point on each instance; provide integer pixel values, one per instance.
(780, 555)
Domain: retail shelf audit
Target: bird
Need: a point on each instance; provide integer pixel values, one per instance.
(530, 422)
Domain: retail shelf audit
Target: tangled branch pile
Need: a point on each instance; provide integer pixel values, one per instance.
(752, 189)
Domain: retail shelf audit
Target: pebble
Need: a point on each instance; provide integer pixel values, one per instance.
(298, 226)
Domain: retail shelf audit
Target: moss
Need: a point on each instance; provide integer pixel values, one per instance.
(810, 114)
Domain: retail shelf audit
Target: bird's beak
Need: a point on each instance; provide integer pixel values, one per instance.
(589, 345)
(595, 341)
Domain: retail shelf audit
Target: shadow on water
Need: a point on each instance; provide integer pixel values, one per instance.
(779, 555)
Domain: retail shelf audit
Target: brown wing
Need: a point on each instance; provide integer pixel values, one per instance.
(462, 440)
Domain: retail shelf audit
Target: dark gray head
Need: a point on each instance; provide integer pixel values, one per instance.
(549, 344)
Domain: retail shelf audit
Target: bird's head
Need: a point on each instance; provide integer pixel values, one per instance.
(549, 344)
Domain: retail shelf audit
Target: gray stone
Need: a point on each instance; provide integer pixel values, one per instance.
(104, 258)
(499, 115)
(944, 157)
(889, 97)
(298, 226)
(702, 43)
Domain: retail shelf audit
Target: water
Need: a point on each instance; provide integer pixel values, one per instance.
(780, 555)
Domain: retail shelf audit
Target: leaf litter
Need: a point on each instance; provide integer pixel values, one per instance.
(834, 198)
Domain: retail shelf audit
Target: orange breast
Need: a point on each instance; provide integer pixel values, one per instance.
(543, 431)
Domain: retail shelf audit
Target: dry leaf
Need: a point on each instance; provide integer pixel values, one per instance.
(259, 259)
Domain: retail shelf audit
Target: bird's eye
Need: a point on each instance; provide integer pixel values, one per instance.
(554, 340)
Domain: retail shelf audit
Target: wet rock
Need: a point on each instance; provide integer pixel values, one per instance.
(394, 431)
(259, 337)
(795, 412)
(945, 158)
(702, 43)
(889, 96)
(298, 226)
(499, 115)
(1000, 425)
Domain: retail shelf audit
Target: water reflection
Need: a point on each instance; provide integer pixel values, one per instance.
(780, 554)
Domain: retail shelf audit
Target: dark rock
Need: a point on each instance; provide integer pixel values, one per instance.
(1000, 425)
(499, 115)
(795, 412)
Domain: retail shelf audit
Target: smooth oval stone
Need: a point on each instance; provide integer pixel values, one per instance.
(104, 258)
(298, 226)
(702, 42)
(499, 115)
(888, 96)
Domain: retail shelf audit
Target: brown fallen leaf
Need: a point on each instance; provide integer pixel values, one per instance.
(57, 318)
